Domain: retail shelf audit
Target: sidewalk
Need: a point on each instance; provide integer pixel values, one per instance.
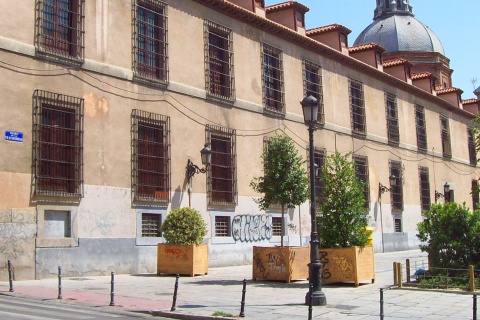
(221, 291)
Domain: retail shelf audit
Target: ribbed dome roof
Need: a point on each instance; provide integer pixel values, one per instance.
(398, 30)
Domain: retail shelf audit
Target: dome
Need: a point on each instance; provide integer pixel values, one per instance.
(396, 29)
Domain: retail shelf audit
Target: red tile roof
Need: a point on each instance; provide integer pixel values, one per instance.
(286, 5)
(470, 101)
(449, 90)
(366, 46)
(423, 75)
(396, 62)
(329, 28)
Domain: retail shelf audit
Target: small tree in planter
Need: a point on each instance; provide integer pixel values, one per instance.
(284, 183)
(342, 222)
(184, 253)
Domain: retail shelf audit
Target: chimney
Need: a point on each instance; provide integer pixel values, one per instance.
(290, 14)
(334, 36)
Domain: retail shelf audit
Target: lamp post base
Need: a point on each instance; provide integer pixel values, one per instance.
(318, 298)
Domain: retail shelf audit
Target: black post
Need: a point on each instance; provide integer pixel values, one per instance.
(242, 307)
(59, 282)
(315, 266)
(381, 303)
(474, 306)
(112, 290)
(10, 279)
(174, 302)
(310, 309)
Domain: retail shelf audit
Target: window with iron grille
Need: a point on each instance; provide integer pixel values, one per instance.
(222, 173)
(150, 41)
(222, 226)
(59, 29)
(361, 172)
(424, 180)
(357, 106)
(219, 77)
(421, 128)
(398, 224)
(396, 190)
(150, 156)
(319, 156)
(475, 195)
(57, 145)
(392, 118)
(276, 226)
(312, 85)
(472, 153)
(151, 225)
(272, 78)
(445, 134)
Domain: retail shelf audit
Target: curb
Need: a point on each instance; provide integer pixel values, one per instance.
(183, 316)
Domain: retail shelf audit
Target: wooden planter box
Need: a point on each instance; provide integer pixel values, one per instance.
(185, 260)
(280, 263)
(353, 264)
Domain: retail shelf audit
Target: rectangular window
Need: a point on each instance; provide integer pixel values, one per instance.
(151, 225)
(472, 153)
(424, 179)
(272, 78)
(222, 226)
(219, 78)
(445, 134)
(222, 173)
(312, 85)
(319, 156)
(57, 145)
(300, 17)
(357, 106)
(276, 226)
(57, 224)
(421, 128)
(398, 224)
(150, 41)
(392, 118)
(150, 156)
(396, 189)
(361, 171)
(475, 195)
(59, 29)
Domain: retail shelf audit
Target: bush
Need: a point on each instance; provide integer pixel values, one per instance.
(184, 226)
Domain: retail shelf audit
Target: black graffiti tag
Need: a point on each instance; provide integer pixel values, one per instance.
(251, 228)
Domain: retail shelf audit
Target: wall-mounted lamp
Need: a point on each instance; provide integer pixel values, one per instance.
(382, 189)
(445, 194)
(192, 169)
(438, 195)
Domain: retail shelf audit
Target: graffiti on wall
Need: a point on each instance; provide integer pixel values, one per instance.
(251, 228)
(12, 240)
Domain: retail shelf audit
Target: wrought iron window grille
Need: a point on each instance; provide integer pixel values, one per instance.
(312, 85)
(272, 79)
(357, 107)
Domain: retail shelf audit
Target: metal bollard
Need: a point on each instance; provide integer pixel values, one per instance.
(242, 308)
(174, 302)
(474, 306)
(10, 279)
(407, 266)
(310, 303)
(59, 282)
(381, 303)
(112, 291)
(395, 277)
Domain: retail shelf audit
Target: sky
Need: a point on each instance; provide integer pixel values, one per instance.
(456, 24)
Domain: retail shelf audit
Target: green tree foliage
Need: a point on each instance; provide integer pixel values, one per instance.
(184, 226)
(343, 218)
(285, 180)
(451, 236)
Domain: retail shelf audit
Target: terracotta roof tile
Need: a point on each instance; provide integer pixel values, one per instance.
(396, 62)
(423, 75)
(285, 5)
(449, 90)
(470, 101)
(329, 28)
(366, 46)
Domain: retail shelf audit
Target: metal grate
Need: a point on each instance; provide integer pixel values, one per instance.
(445, 134)
(272, 79)
(151, 225)
(150, 59)
(396, 190)
(398, 224)
(392, 118)
(222, 173)
(59, 29)
(357, 106)
(420, 128)
(151, 172)
(361, 171)
(276, 226)
(222, 226)
(475, 195)
(472, 153)
(57, 145)
(219, 75)
(425, 200)
(312, 85)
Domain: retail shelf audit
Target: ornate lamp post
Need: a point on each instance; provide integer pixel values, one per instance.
(310, 113)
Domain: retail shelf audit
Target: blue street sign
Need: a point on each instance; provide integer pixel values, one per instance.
(14, 136)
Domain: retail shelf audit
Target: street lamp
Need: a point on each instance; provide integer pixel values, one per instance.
(192, 169)
(310, 113)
